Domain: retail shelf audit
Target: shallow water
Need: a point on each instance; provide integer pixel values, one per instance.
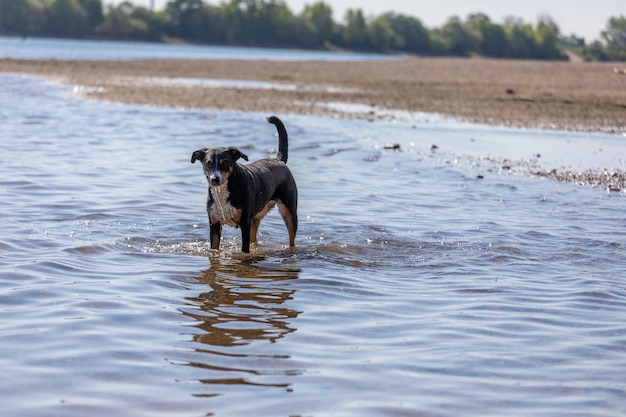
(71, 49)
(416, 288)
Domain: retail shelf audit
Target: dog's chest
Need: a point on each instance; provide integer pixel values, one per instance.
(220, 209)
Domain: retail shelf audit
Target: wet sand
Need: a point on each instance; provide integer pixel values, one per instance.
(551, 95)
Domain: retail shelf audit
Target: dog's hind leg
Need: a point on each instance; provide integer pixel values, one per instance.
(290, 216)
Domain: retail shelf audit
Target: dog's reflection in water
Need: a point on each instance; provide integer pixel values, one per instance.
(246, 302)
(246, 305)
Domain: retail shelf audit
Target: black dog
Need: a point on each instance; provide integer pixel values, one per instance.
(241, 195)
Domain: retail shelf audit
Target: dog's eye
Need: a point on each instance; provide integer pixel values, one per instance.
(224, 165)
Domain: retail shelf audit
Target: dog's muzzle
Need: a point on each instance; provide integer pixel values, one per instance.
(215, 179)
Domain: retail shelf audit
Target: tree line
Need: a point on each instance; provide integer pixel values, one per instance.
(271, 23)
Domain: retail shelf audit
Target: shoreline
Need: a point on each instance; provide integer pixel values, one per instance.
(588, 97)
(579, 97)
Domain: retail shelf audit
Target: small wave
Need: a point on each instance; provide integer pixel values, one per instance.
(88, 250)
(145, 245)
(341, 255)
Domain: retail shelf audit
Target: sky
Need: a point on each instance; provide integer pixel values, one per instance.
(583, 18)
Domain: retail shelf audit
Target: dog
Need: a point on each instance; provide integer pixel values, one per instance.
(241, 195)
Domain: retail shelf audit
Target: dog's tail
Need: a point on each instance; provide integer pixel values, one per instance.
(282, 138)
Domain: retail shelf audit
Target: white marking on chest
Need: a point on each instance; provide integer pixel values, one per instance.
(221, 210)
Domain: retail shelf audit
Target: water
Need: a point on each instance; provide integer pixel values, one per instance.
(240, 84)
(415, 289)
(70, 49)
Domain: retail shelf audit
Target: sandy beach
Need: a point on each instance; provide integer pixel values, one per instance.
(551, 95)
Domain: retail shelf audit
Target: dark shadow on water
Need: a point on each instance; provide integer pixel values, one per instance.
(240, 318)
(245, 303)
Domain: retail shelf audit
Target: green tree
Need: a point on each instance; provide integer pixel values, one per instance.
(320, 18)
(615, 37)
(92, 9)
(118, 22)
(126, 21)
(457, 39)
(355, 30)
(521, 40)
(259, 22)
(547, 40)
(272, 21)
(234, 21)
(304, 35)
(492, 40)
(184, 18)
(66, 18)
(154, 22)
(381, 35)
(214, 24)
(410, 34)
(23, 17)
(595, 52)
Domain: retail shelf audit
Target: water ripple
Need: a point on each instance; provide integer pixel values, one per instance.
(415, 287)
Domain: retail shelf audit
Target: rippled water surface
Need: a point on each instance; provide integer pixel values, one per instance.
(425, 282)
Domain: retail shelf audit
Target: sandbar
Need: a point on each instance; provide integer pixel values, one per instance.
(536, 94)
(571, 96)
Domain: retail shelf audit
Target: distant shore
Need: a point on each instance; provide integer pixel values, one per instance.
(537, 94)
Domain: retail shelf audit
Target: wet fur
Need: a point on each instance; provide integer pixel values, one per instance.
(241, 195)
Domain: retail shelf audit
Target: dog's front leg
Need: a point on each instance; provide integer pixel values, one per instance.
(215, 234)
(245, 225)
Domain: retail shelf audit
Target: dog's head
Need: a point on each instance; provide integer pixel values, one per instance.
(218, 163)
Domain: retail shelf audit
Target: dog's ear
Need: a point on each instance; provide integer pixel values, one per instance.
(198, 155)
(236, 154)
